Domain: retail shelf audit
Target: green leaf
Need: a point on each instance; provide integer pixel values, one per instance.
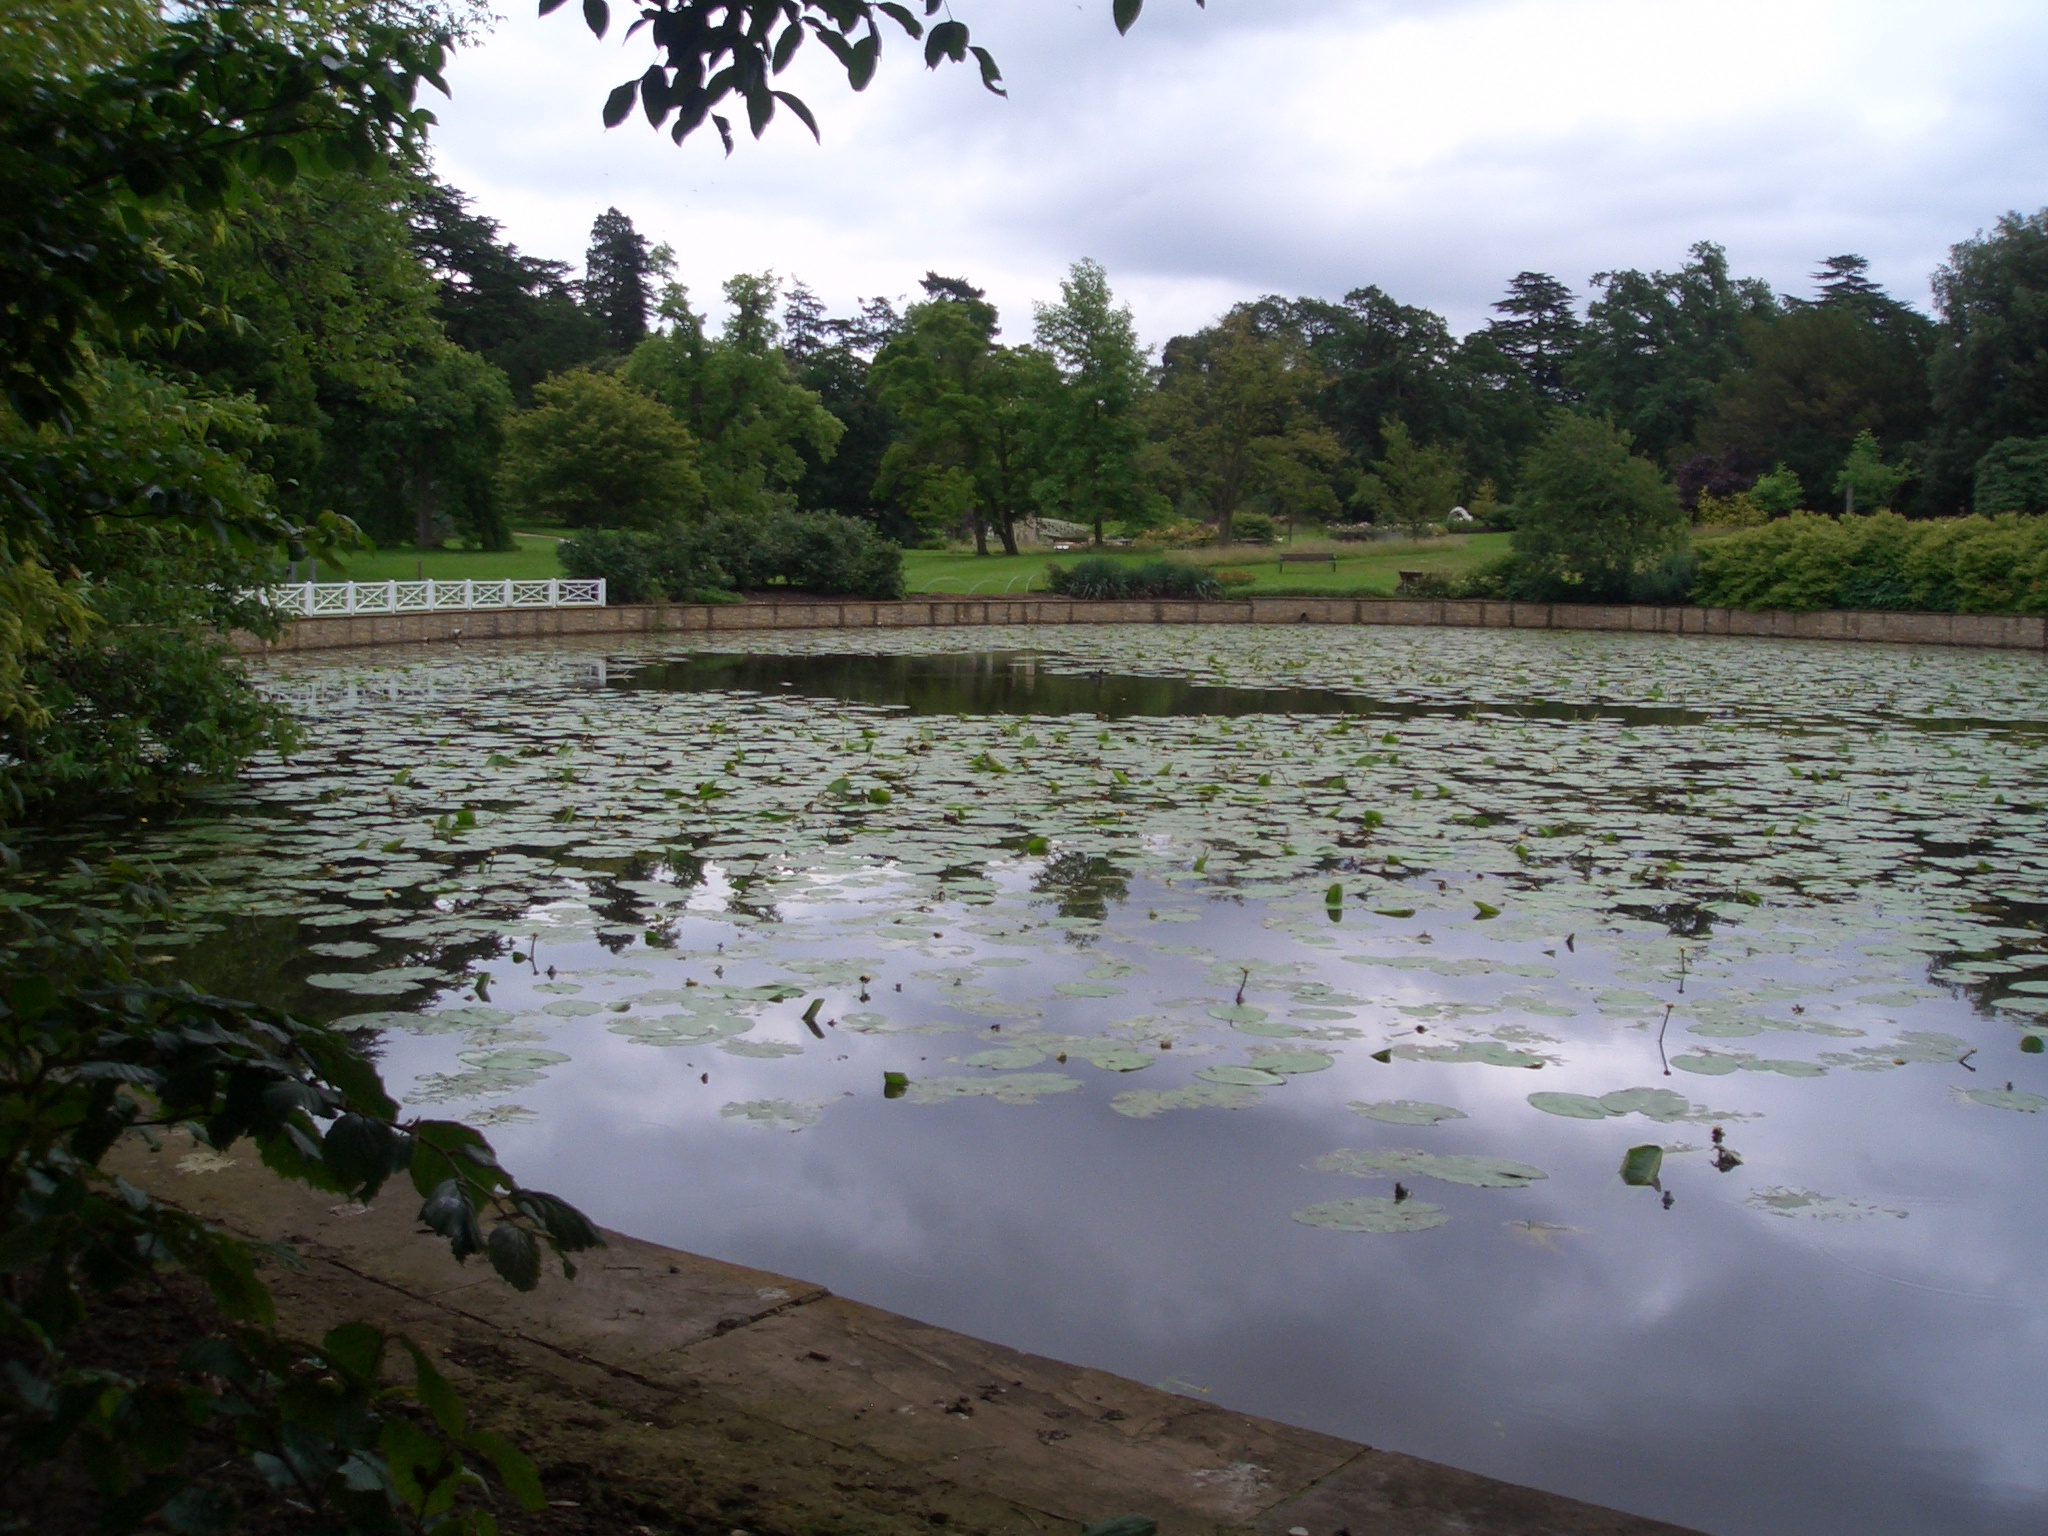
(596, 16)
(991, 77)
(356, 1348)
(1486, 909)
(435, 1394)
(450, 1212)
(514, 1255)
(229, 1268)
(515, 1468)
(568, 1228)
(1642, 1165)
(947, 40)
(619, 103)
(895, 1085)
(1126, 12)
(902, 17)
(32, 997)
(2031, 1044)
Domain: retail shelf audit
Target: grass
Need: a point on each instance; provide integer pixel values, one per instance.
(1360, 568)
(532, 559)
(1368, 569)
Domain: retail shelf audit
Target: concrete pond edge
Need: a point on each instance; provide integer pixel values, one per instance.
(2018, 632)
(782, 1404)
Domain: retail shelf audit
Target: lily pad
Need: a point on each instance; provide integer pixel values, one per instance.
(1018, 1088)
(1459, 1168)
(1371, 1214)
(1241, 1077)
(1406, 1111)
(1145, 1103)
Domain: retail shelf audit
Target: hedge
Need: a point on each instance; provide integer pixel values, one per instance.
(710, 559)
(1809, 561)
(1100, 578)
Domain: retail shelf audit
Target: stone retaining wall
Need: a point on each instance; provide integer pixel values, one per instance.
(1999, 631)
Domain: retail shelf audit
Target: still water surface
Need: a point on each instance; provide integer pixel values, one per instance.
(1178, 1108)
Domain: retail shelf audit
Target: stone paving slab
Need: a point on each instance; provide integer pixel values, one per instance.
(844, 1401)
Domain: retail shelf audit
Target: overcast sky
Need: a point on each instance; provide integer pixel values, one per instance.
(1434, 147)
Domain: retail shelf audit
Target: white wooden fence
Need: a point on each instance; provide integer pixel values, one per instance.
(335, 599)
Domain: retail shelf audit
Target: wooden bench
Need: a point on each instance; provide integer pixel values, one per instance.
(1294, 559)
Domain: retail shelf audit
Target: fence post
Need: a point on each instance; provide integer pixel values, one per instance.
(600, 592)
(391, 597)
(468, 592)
(348, 598)
(554, 593)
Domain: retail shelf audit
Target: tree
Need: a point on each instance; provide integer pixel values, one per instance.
(596, 453)
(1233, 423)
(98, 160)
(439, 456)
(1595, 517)
(518, 311)
(833, 357)
(1780, 493)
(2013, 477)
(756, 427)
(1411, 487)
(703, 61)
(1990, 367)
(1819, 373)
(617, 292)
(1866, 479)
(125, 133)
(320, 309)
(1656, 345)
(971, 415)
(1538, 331)
(1092, 469)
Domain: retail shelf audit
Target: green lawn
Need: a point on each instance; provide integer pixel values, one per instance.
(1359, 567)
(1362, 568)
(534, 558)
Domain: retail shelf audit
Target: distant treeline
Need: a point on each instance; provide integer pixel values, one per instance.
(430, 380)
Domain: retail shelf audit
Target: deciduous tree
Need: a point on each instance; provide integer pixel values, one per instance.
(1233, 422)
(596, 453)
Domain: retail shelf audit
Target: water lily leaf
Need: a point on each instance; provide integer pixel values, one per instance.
(1371, 1214)
(2007, 1097)
(1019, 1088)
(1145, 1103)
(1406, 1111)
(1479, 1172)
(1241, 1077)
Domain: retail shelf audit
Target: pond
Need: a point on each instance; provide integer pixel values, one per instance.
(1611, 1063)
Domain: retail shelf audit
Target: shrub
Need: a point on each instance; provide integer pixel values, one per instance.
(709, 559)
(1737, 511)
(1253, 528)
(1100, 578)
(1181, 534)
(1593, 516)
(1808, 561)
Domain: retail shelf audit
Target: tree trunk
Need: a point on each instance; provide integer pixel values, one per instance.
(422, 509)
(980, 533)
(1006, 528)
